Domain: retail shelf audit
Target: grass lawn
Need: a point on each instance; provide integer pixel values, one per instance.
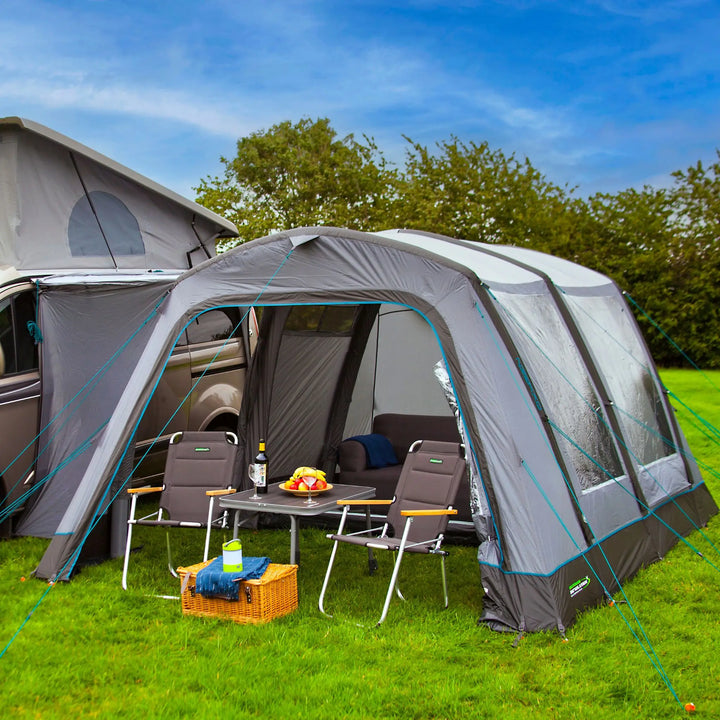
(92, 650)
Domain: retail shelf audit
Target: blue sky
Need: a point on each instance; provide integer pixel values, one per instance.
(598, 94)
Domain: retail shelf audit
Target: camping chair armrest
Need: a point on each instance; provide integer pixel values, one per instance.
(364, 502)
(440, 511)
(226, 491)
(144, 490)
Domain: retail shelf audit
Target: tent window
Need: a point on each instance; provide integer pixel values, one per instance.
(101, 221)
(609, 327)
(326, 319)
(570, 400)
(18, 351)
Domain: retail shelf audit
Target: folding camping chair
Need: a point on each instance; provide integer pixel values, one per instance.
(419, 512)
(199, 467)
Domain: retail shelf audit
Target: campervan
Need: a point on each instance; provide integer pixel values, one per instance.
(79, 236)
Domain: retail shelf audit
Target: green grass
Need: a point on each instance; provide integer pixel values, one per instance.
(92, 650)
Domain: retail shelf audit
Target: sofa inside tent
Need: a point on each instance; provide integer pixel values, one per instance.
(578, 474)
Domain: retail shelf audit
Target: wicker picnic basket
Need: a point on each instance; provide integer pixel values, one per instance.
(273, 595)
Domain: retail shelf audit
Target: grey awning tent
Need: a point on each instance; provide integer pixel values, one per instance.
(65, 206)
(580, 474)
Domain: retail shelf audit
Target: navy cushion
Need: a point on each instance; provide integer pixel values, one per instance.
(379, 450)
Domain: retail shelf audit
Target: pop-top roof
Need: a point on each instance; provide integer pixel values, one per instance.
(66, 206)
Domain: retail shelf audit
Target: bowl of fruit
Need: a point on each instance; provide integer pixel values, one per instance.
(306, 480)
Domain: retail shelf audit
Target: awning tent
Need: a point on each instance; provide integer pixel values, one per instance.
(579, 472)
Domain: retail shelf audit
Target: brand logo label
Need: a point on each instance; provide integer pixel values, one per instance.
(579, 585)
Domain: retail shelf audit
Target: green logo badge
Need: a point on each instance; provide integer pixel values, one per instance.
(579, 586)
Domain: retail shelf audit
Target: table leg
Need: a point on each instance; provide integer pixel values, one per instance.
(236, 524)
(294, 551)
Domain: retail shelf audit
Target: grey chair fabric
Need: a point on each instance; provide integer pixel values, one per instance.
(418, 514)
(196, 462)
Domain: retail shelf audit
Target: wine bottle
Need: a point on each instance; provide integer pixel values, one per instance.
(261, 468)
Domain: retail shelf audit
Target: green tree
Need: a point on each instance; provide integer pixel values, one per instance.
(473, 192)
(628, 237)
(302, 174)
(661, 246)
(695, 259)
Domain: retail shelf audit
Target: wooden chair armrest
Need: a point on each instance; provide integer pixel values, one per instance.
(364, 502)
(441, 511)
(143, 490)
(226, 491)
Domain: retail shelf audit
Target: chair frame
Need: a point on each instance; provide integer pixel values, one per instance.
(155, 518)
(377, 539)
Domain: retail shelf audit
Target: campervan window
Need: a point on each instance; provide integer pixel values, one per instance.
(18, 347)
(329, 319)
(214, 325)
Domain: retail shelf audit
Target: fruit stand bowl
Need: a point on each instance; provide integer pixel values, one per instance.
(304, 493)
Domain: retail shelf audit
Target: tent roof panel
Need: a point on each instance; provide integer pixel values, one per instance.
(564, 273)
(493, 271)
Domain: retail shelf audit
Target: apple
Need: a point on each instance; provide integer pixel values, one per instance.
(302, 486)
(320, 484)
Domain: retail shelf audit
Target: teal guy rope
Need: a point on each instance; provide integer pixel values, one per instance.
(660, 671)
(530, 386)
(670, 340)
(710, 470)
(644, 506)
(79, 450)
(713, 430)
(682, 452)
(702, 429)
(619, 439)
(26, 620)
(653, 658)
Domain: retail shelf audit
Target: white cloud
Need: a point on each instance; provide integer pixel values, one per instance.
(78, 94)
